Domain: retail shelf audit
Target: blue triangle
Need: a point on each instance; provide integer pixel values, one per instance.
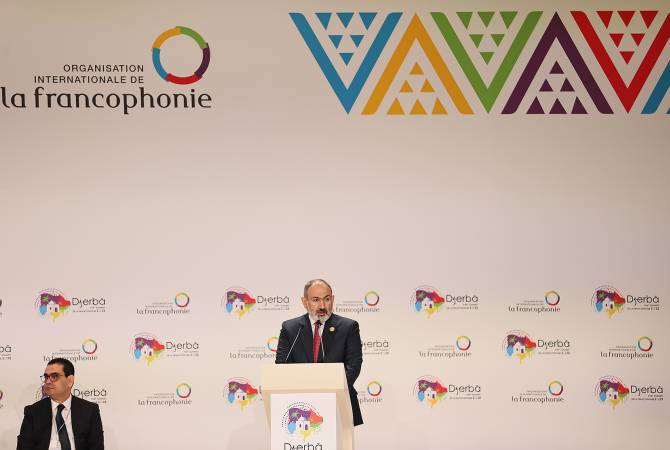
(346, 57)
(357, 38)
(345, 18)
(324, 18)
(336, 38)
(367, 18)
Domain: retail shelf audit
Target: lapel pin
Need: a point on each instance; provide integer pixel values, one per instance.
(332, 329)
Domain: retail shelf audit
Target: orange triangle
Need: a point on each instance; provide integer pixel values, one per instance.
(417, 109)
(627, 56)
(396, 109)
(438, 108)
(637, 37)
(406, 87)
(416, 70)
(427, 87)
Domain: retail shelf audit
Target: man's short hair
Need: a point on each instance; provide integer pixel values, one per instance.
(68, 367)
(314, 281)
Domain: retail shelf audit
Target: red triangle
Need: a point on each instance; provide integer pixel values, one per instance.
(627, 56)
(616, 38)
(637, 37)
(605, 16)
(626, 16)
(648, 17)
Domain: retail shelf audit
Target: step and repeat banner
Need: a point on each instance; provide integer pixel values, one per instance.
(483, 183)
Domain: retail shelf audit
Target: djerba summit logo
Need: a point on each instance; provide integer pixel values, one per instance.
(121, 86)
(607, 300)
(612, 391)
(519, 345)
(179, 306)
(240, 302)
(5, 351)
(53, 304)
(302, 419)
(427, 300)
(546, 62)
(149, 348)
(239, 391)
(430, 390)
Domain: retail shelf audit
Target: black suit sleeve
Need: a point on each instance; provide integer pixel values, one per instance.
(27, 438)
(96, 440)
(353, 359)
(283, 345)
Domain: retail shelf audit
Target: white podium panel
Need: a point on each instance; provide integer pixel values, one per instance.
(306, 421)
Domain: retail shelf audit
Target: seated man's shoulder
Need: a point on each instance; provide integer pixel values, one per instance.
(84, 404)
(43, 403)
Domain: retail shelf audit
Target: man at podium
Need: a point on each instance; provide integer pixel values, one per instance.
(321, 336)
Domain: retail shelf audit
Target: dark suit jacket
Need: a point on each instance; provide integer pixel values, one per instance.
(343, 344)
(35, 431)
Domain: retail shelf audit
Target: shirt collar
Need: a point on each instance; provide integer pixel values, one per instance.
(67, 403)
(314, 319)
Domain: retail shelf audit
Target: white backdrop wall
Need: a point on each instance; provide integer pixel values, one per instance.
(272, 180)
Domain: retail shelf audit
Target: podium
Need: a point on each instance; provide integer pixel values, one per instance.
(307, 406)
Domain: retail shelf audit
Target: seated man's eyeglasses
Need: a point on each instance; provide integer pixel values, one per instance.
(53, 377)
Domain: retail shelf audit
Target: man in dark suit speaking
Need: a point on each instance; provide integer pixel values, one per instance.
(321, 336)
(61, 420)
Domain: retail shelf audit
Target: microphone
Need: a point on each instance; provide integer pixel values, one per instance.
(294, 341)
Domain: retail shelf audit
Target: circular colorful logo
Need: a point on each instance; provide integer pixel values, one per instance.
(372, 298)
(272, 344)
(156, 55)
(555, 388)
(374, 388)
(463, 343)
(552, 298)
(182, 299)
(89, 346)
(183, 390)
(644, 343)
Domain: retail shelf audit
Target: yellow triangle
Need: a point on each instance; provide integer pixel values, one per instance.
(427, 87)
(416, 70)
(438, 108)
(406, 87)
(396, 109)
(417, 109)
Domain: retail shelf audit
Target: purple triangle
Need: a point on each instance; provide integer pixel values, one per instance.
(556, 69)
(557, 108)
(567, 87)
(546, 87)
(535, 107)
(578, 108)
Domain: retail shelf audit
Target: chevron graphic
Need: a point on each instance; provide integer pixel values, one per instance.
(416, 32)
(556, 31)
(658, 94)
(627, 93)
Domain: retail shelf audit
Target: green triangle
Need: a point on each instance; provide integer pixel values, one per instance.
(508, 17)
(487, 56)
(477, 39)
(486, 17)
(497, 38)
(465, 18)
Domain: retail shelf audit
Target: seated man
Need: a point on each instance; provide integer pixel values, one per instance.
(60, 421)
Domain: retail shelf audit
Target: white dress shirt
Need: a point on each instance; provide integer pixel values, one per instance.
(54, 444)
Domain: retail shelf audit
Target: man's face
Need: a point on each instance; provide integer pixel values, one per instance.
(319, 301)
(59, 389)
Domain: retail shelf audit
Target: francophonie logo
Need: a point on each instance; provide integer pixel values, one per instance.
(182, 300)
(607, 299)
(156, 55)
(611, 390)
(241, 392)
(302, 419)
(426, 299)
(239, 301)
(183, 390)
(146, 347)
(52, 303)
(89, 346)
(374, 388)
(555, 388)
(272, 344)
(518, 343)
(429, 390)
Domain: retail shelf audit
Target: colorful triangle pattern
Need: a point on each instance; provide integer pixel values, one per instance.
(626, 17)
(558, 106)
(418, 108)
(345, 19)
(486, 18)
